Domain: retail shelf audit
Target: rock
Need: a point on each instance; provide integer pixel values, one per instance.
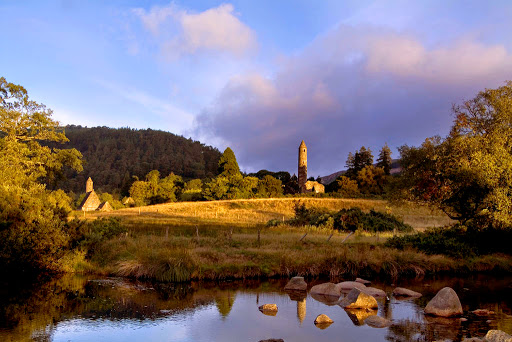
(377, 322)
(482, 312)
(268, 309)
(327, 289)
(296, 283)
(375, 292)
(463, 319)
(497, 336)
(403, 292)
(358, 299)
(473, 339)
(322, 319)
(363, 281)
(349, 285)
(358, 316)
(272, 340)
(446, 303)
(328, 300)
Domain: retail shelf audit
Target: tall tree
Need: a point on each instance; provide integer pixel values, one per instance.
(33, 220)
(358, 161)
(468, 174)
(384, 160)
(228, 166)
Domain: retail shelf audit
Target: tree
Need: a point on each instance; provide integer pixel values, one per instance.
(270, 187)
(356, 162)
(33, 220)
(384, 160)
(371, 180)
(468, 174)
(228, 166)
(347, 187)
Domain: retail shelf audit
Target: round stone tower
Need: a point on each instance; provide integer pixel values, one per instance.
(88, 185)
(303, 166)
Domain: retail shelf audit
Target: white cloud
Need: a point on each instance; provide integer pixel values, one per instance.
(182, 32)
(350, 87)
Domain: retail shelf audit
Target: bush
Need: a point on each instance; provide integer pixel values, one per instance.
(347, 219)
(90, 234)
(458, 241)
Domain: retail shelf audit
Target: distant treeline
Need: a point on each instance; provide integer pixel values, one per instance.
(112, 156)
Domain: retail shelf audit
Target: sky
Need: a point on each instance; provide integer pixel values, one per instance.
(260, 76)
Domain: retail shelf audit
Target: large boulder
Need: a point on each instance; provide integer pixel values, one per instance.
(497, 336)
(375, 292)
(349, 285)
(446, 303)
(358, 299)
(377, 322)
(403, 292)
(296, 284)
(327, 289)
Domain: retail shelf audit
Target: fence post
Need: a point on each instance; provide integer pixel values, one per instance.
(197, 233)
(302, 238)
(167, 233)
(330, 236)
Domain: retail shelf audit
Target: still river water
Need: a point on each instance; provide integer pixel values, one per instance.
(76, 308)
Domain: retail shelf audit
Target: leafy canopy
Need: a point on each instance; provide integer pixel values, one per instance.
(33, 220)
(469, 173)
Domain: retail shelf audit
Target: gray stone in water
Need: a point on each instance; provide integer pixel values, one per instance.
(375, 292)
(296, 284)
(377, 322)
(446, 303)
(403, 292)
(272, 340)
(349, 285)
(497, 336)
(327, 289)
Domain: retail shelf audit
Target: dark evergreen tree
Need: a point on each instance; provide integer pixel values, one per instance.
(384, 160)
(228, 166)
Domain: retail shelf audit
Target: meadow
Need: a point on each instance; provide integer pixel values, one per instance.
(231, 240)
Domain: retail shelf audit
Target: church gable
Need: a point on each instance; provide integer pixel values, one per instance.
(90, 202)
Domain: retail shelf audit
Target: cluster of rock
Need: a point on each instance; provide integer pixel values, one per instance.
(360, 303)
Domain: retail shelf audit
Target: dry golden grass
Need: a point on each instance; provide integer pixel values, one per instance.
(219, 240)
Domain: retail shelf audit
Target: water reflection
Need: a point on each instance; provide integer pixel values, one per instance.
(113, 309)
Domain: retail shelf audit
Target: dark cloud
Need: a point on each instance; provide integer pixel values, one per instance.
(350, 87)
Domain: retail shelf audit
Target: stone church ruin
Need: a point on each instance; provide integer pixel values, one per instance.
(91, 201)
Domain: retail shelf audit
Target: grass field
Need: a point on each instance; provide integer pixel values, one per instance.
(229, 239)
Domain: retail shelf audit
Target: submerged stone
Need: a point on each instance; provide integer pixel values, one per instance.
(375, 321)
(327, 289)
(403, 292)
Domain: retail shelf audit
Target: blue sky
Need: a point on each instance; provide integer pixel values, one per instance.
(260, 76)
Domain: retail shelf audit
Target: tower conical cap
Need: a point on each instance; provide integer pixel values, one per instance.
(302, 144)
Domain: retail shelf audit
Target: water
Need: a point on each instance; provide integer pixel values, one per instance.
(112, 309)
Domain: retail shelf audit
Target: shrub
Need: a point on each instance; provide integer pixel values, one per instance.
(458, 241)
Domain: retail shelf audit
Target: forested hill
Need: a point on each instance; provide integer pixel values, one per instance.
(112, 156)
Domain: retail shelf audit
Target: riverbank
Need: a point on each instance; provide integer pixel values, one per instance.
(230, 240)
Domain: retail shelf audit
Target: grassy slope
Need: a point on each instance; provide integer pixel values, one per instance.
(162, 243)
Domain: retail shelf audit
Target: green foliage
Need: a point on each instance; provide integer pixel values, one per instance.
(113, 155)
(459, 241)
(384, 160)
(371, 180)
(140, 193)
(356, 162)
(374, 221)
(194, 184)
(469, 174)
(228, 166)
(155, 190)
(33, 220)
(270, 187)
(347, 187)
(347, 219)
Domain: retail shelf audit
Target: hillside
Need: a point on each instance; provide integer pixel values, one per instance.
(113, 155)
